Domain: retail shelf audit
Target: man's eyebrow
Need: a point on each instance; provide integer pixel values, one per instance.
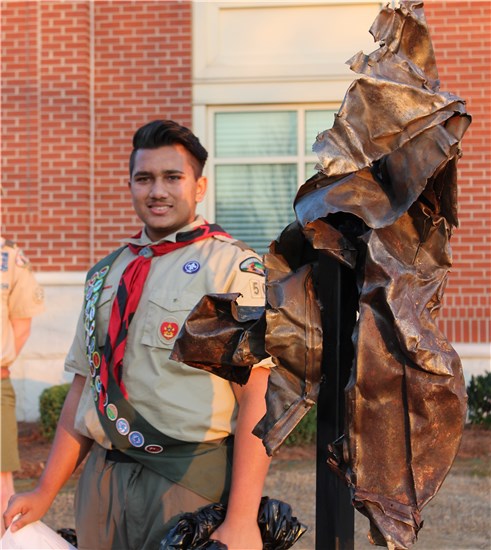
(172, 171)
(149, 173)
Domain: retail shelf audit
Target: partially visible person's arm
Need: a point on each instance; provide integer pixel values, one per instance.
(68, 450)
(250, 466)
(22, 329)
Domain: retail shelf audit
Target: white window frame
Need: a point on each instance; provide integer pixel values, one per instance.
(300, 159)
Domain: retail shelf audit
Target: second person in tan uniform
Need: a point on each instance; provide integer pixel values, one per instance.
(22, 299)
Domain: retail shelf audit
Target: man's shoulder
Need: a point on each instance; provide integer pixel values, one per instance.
(105, 261)
(234, 248)
(234, 242)
(9, 243)
(12, 253)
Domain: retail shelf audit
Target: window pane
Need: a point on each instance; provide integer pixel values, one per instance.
(315, 123)
(256, 134)
(310, 170)
(255, 202)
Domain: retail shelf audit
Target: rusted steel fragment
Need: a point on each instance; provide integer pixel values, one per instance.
(221, 337)
(394, 100)
(379, 194)
(293, 336)
(406, 405)
(390, 161)
(383, 204)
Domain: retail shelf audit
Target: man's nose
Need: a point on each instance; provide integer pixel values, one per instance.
(159, 188)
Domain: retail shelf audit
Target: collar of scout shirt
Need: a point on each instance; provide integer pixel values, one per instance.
(144, 239)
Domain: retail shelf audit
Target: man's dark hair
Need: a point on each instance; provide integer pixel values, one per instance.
(159, 133)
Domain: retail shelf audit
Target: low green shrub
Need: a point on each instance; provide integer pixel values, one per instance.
(479, 400)
(50, 404)
(305, 431)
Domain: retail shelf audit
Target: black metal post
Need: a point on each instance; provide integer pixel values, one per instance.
(334, 511)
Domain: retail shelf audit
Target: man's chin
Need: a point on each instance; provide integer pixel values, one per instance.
(157, 232)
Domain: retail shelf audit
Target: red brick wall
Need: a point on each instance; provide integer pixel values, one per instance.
(55, 177)
(45, 130)
(56, 173)
(143, 72)
(461, 34)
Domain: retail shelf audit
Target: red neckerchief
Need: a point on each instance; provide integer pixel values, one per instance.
(128, 296)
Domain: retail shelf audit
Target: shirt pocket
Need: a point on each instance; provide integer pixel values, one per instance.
(165, 316)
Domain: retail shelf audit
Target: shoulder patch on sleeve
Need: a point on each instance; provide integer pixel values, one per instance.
(21, 259)
(252, 265)
(5, 261)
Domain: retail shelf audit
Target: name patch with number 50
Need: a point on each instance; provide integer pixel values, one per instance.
(258, 289)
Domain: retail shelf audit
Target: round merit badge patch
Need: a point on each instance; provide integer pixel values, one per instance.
(136, 439)
(154, 449)
(96, 359)
(191, 267)
(123, 426)
(112, 412)
(98, 284)
(169, 330)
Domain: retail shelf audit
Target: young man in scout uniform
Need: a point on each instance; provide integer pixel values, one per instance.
(162, 433)
(22, 298)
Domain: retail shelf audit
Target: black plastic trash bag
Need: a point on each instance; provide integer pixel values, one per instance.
(69, 535)
(279, 529)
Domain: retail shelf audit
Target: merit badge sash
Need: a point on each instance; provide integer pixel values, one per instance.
(128, 430)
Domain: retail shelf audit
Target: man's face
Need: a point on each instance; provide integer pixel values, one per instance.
(165, 190)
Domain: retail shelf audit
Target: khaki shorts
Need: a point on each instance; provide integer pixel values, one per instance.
(10, 451)
(127, 506)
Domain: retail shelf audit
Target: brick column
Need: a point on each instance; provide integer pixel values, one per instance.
(461, 34)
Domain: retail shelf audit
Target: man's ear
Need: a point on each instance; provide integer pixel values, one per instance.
(201, 186)
(129, 184)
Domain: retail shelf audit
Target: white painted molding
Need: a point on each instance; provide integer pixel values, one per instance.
(60, 278)
(477, 351)
(261, 40)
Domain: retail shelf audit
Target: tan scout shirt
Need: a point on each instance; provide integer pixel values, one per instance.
(183, 402)
(22, 297)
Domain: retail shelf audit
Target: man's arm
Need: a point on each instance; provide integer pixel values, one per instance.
(22, 329)
(250, 466)
(68, 450)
